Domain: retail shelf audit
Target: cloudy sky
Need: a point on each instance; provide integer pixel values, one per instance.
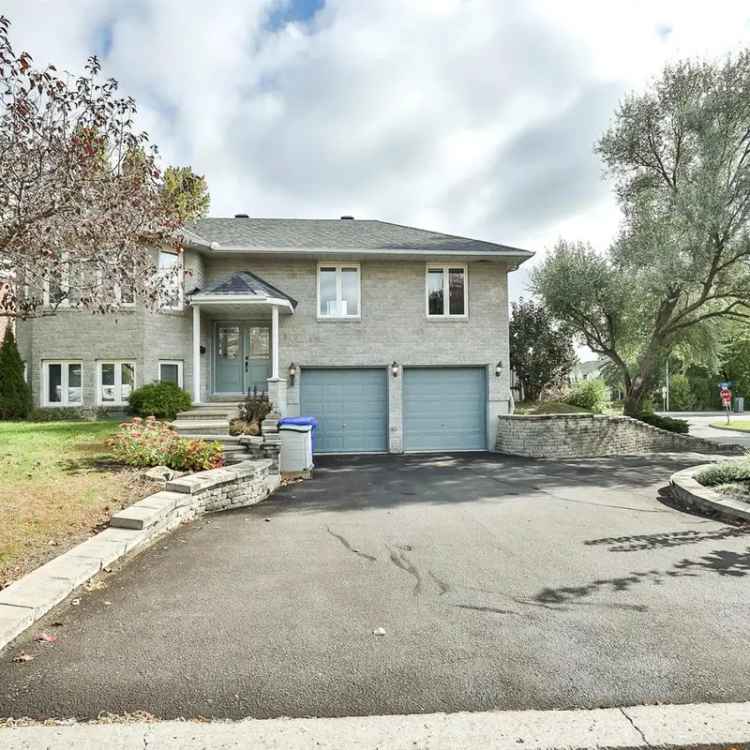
(474, 117)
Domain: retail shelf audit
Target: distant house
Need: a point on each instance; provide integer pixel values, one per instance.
(591, 371)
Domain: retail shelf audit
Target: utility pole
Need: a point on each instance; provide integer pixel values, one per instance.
(667, 383)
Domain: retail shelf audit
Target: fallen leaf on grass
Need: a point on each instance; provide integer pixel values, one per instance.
(46, 637)
(95, 585)
(76, 602)
(22, 657)
(55, 624)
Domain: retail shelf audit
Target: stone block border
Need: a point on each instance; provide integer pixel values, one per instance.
(589, 436)
(693, 494)
(131, 530)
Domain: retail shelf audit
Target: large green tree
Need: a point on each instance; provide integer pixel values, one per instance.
(541, 351)
(679, 156)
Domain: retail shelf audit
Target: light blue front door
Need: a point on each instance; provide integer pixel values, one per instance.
(242, 360)
(445, 408)
(351, 406)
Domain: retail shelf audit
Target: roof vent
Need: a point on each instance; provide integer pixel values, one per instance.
(241, 216)
(347, 218)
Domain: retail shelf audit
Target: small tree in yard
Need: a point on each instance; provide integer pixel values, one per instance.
(541, 352)
(15, 394)
(680, 158)
(82, 200)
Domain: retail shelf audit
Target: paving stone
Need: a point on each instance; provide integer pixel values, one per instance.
(13, 621)
(38, 591)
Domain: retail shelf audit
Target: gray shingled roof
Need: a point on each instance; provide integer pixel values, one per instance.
(244, 283)
(365, 234)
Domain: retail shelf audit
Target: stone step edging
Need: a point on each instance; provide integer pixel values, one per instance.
(131, 530)
(692, 493)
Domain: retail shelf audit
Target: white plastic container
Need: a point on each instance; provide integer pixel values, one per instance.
(296, 448)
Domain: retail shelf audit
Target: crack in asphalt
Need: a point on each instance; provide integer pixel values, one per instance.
(442, 585)
(348, 546)
(404, 564)
(635, 726)
(494, 610)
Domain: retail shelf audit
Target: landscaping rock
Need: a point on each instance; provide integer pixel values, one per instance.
(160, 474)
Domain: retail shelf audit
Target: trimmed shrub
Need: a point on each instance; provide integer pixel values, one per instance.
(144, 443)
(15, 393)
(160, 400)
(557, 407)
(666, 423)
(590, 395)
(724, 473)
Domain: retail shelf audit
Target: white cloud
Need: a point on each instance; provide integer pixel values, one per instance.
(468, 116)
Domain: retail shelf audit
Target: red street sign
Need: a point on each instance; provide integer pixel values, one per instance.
(726, 397)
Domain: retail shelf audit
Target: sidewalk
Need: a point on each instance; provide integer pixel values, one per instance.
(687, 726)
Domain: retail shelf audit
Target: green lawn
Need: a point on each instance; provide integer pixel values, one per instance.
(739, 425)
(57, 485)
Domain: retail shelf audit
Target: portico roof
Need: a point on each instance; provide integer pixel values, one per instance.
(243, 287)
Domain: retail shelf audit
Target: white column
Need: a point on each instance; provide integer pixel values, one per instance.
(196, 354)
(274, 342)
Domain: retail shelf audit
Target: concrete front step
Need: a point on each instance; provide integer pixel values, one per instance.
(201, 426)
(195, 414)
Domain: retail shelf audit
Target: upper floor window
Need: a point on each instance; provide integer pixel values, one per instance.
(446, 291)
(170, 269)
(339, 290)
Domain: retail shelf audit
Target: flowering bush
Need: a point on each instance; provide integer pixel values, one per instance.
(152, 443)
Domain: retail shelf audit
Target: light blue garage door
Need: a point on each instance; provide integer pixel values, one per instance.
(445, 408)
(351, 407)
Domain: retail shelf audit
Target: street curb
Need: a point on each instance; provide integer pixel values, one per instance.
(729, 429)
(131, 530)
(692, 493)
(685, 726)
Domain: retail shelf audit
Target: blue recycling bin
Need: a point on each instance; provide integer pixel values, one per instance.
(308, 421)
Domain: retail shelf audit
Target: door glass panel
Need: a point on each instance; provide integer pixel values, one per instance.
(108, 381)
(260, 341)
(456, 291)
(74, 384)
(435, 291)
(127, 379)
(54, 378)
(228, 342)
(328, 291)
(349, 291)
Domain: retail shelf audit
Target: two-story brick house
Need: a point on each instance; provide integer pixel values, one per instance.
(395, 338)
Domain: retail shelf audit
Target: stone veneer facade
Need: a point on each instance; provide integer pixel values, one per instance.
(393, 327)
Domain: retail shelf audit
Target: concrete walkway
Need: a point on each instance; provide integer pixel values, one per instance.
(687, 726)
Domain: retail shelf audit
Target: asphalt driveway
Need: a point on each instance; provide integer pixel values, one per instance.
(500, 583)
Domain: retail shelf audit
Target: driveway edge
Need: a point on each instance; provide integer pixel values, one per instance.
(131, 530)
(693, 494)
(684, 726)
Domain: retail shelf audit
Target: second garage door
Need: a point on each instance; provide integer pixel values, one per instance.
(351, 406)
(445, 408)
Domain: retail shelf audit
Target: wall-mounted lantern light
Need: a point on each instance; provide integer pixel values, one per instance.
(394, 369)
(292, 373)
(498, 369)
(203, 349)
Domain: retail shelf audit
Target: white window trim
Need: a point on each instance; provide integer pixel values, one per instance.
(64, 383)
(180, 306)
(338, 266)
(445, 268)
(179, 363)
(118, 363)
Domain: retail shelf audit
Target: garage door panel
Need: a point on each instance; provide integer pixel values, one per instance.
(445, 408)
(351, 406)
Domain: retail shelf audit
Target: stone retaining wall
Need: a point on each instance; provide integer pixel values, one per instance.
(584, 435)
